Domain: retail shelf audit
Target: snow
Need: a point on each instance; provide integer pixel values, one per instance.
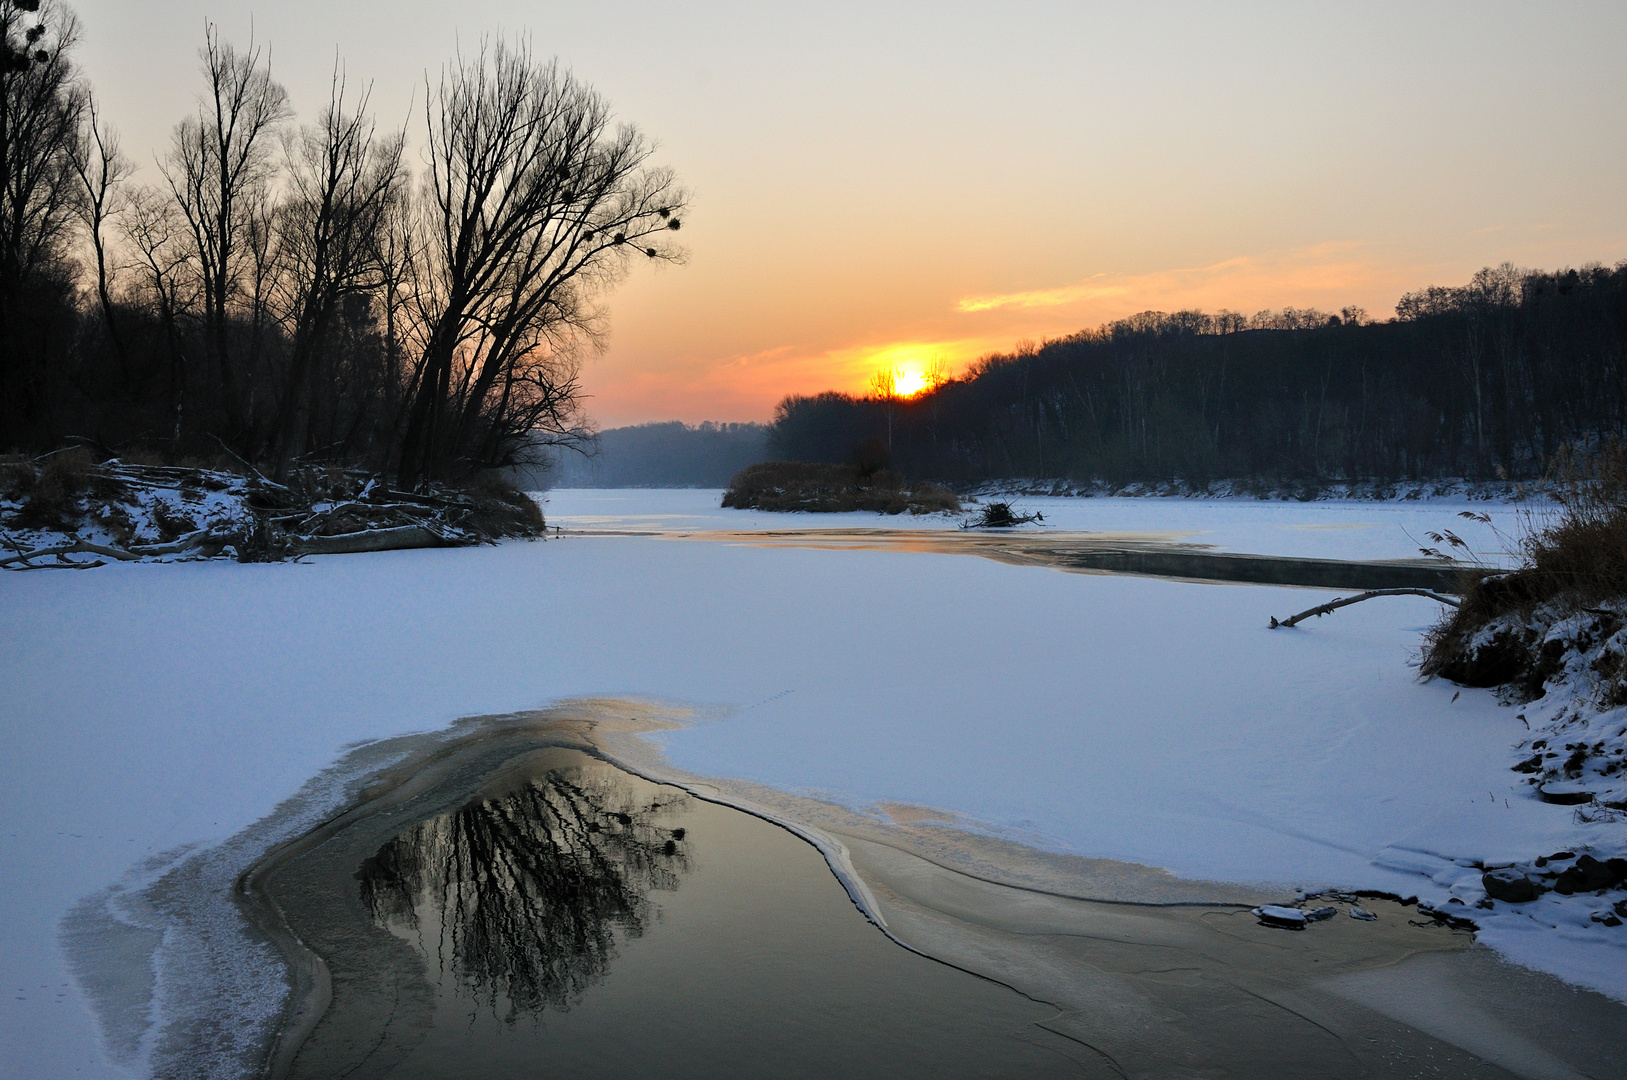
(147, 707)
(142, 513)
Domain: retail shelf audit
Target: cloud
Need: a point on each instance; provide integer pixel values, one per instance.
(1038, 298)
(1331, 274)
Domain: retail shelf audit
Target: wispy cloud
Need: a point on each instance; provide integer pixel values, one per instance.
(1040, 298)
(1331, 273)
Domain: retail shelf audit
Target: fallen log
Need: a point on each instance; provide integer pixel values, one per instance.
(1346, 601)
(135, 553)
(76, 548)
(397, 539)
(201, 538)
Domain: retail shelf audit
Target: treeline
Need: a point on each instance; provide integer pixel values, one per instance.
(1488, 379)
(297, 293)
(669, 454)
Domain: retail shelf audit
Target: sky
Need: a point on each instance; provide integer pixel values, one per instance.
(881, 186)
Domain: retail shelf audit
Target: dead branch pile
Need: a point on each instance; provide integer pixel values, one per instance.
(67, 505)
(1000, 515)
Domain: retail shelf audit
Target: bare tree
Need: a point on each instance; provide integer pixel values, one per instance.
(218, 168)
(40, 101)
(102, 170)
(535, 203)
(884, 388)
(156, 229)
(335, 227)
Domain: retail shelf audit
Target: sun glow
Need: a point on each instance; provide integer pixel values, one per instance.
(907, 382)
(906, 369)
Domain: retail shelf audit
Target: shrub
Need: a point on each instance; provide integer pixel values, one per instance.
(1575, 556)
(816, 488)
(51, 494)
(501, 509)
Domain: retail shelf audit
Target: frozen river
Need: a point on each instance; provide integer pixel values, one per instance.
(148, 709)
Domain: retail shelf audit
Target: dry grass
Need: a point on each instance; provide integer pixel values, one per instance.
(832, 489)
(503, 509)
(1575, 555)
(52, 490)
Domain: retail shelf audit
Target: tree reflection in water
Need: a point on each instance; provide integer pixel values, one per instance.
(526, 891)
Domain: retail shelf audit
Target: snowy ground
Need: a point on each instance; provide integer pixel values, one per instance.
(149, 707)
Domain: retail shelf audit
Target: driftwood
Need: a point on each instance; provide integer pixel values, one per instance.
(75, 548)
(135, 553)
(387, 539)
(1346, 601)
(323, 512)
(402, 537)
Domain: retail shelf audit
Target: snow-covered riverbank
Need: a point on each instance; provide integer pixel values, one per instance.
(146, 708)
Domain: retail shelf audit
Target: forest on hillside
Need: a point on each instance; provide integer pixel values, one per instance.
(1484, 380)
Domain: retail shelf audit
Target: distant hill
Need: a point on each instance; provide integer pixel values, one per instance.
(671, 454)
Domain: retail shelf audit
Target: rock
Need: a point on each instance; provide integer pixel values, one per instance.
(1588, 875)
(1563, 798)
(1606, 919)
(1321, 913)
(1505, 658)
(1284, 918)
(1510, 886)
(1620, 908)
(1363, 914)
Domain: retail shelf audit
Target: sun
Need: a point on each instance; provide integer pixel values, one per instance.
(908, 381)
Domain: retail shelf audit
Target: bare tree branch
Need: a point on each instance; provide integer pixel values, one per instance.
(1335, 605)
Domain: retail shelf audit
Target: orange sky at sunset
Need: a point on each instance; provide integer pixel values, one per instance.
(892, 184)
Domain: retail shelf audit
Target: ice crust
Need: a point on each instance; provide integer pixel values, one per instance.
(1325, 529)
(151, 708)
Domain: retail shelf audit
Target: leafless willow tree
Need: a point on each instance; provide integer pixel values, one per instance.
(219, 170)
(535, 202)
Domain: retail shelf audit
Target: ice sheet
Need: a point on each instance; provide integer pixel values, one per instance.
(1325, 529)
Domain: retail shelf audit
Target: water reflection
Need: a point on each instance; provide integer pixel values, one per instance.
(519, 896)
